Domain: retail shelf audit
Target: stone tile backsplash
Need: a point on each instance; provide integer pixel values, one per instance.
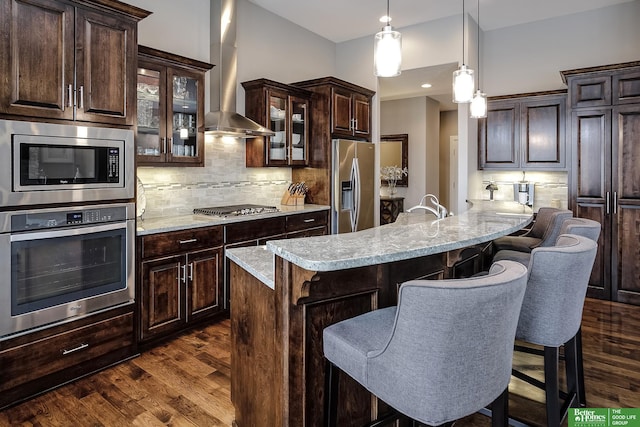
(551, 188)
(224, 180)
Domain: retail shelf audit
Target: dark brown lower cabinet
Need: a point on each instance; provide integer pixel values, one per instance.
(180, 280)
(259, 232)
(34, 363)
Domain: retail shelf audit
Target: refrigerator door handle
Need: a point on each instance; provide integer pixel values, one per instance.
(355, 185)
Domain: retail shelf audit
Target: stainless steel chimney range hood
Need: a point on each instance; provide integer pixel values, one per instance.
(225, 121)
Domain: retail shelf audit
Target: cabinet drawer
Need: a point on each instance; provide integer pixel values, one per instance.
(306, 220)
(590, 91)
(180, 241)
(253, 230)
(626, 88)
(41, 357)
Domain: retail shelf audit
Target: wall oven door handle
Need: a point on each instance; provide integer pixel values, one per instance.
(72, 231)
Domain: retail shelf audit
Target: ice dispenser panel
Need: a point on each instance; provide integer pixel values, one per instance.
(346, 201)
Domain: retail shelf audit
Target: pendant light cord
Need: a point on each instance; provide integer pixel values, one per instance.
(463, 32)
(388, 16)
(478, 45)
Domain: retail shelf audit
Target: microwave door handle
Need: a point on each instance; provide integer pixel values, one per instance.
(51, 234)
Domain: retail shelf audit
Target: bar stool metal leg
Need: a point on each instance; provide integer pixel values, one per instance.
(331, 379)
(582, 391)
(552, 392)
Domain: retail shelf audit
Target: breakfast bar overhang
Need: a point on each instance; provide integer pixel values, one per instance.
(285, 293)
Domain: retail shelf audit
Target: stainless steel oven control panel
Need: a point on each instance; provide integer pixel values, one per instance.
(37, 220)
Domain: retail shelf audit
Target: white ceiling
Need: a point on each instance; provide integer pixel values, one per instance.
(342, 20)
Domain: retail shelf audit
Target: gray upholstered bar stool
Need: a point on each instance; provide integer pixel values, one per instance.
(591, 230)
(552, 312)
(579, 226)
(443, 353)
(544, 232)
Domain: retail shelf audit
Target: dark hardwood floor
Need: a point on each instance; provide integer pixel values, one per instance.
(185, 382)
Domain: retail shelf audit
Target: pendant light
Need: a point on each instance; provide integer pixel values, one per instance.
(387, 51)
(463, 77)
(478, 107)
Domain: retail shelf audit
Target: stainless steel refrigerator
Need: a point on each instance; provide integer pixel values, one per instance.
(352, 189)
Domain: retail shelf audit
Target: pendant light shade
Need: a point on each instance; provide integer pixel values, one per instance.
(463, 77)
(478, 107)
(463, 84)
(387, 51)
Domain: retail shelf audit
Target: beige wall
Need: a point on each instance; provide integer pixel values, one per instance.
(419, 118)
(265, 49)
(448, 128)
(517, 59)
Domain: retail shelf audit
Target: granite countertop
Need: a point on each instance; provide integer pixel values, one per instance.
(184, 222)
(411, 236)
(256, 260)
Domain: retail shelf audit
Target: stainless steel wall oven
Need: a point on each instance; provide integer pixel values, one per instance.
(43, 163)
(61, 263)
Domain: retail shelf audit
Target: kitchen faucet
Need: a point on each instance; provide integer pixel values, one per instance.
(439, 211)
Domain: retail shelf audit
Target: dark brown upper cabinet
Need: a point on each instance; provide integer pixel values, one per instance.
(170, 97)
(284, 109)
(346, 109)
(524, 132)
(68, 60)
(605, 171)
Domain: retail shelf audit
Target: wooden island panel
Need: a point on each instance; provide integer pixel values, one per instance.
(277, 360)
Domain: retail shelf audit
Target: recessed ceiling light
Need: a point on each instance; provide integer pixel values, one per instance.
(384, 19)
(426, 85)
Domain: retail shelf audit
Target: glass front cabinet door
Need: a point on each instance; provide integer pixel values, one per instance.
(299, 130)
(277, 153)
(183, 137)
(285, 110)
(170, 103)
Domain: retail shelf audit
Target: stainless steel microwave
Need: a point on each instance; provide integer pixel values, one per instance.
(46, 163)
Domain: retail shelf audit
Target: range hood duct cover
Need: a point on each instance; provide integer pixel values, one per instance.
(225, 121)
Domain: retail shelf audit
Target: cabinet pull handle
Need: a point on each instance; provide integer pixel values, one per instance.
(183, 242)
(191, 271)
(310, 220)
(615, 202)
(73, 350)
(163, 144)
(608, 203)
(70, 96)
(82, 97)
(184, 273)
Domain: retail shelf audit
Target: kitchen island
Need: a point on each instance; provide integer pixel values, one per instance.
(285, 293)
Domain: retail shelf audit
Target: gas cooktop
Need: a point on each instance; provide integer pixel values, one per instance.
(235, 210)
